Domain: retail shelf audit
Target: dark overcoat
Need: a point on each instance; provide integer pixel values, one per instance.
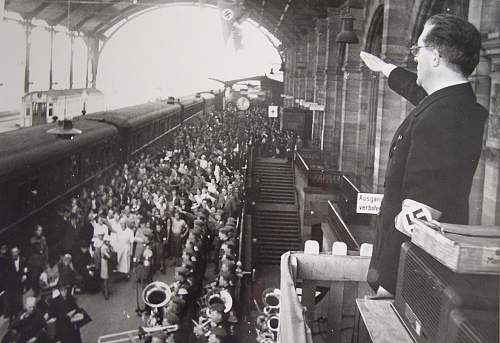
(432, 160)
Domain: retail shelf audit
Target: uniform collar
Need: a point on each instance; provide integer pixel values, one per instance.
(461, 89)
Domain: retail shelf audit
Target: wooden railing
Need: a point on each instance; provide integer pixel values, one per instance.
(349, 198)
(324, 178)
(339, 280)
(340, 229)
(317, 175)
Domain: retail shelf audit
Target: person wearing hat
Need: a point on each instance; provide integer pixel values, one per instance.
(84, 266)
(105, 253)
(67, 313)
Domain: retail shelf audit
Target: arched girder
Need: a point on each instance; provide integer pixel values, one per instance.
(287, 20)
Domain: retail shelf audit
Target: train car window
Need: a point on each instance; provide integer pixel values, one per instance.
(51, 109)
(28, 112)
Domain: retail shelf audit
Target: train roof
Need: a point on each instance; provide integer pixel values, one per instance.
(206, 95)
(28, 147)
(66, 92)
(189, 100)
(134, 115)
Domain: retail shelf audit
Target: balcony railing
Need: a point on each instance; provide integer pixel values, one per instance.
(318, 293)
(340, 229)
(316, 173)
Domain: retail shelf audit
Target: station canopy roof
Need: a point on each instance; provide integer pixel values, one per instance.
(287, 20)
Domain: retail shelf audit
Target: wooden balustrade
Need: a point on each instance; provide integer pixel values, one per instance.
(339, 278)
(316, 174)
(340, 229)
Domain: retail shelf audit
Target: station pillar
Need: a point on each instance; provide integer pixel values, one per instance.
(71, 58)
(333, 103)
(350, 116)
(51, 76)
(310, 62)
(319, 81)
(300, 65)
(289, 76)
(28, 28)
(93, 44)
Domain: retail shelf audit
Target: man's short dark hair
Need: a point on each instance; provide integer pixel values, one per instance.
(457, 41)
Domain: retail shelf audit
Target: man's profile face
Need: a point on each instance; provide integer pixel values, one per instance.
(424, 57)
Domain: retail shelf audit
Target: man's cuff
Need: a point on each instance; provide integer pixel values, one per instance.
(388, 68)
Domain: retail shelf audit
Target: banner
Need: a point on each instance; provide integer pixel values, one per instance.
(231, 11)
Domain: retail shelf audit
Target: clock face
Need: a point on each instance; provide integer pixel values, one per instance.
(242, 103)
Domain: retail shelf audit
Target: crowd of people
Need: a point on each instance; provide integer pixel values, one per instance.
(174, 207)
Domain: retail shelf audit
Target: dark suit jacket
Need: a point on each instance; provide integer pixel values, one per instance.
(14, 278)
(432, 160)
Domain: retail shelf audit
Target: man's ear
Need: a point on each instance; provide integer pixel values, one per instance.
(436, 57)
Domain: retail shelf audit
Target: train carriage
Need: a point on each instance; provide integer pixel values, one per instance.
(140, 125)
(192, 106)
(37, 169)
(42, 107)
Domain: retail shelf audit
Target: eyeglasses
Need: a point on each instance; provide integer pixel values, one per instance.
(416, 48)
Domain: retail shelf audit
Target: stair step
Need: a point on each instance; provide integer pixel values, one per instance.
(281, 247)
(281, 192)
(277, 228)
(277, 218)
(277, 197)
(276, 180)
(271, 201)
(278, 235)
(279, 200)
(276, 222)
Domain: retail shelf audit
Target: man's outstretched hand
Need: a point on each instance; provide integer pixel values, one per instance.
(376, 64)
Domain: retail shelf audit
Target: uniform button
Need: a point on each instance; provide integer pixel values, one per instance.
(400, 137)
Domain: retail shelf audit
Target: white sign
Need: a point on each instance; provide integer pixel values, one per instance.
(316, 107)
(369, 203)
(272, 112)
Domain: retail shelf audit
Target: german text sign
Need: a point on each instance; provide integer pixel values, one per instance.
(369, 203)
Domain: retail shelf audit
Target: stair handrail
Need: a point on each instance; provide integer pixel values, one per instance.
(301, 162)
(244, 222)
(340, 228)
(295, 194)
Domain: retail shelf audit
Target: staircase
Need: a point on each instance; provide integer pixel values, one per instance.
(275, 220)
(276, 181)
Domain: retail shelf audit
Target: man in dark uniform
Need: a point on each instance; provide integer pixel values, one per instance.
(65, 310)
(16, 277)
(435, 151)
(85, 267)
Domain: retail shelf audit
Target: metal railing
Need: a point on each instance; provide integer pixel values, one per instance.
(245, 237)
